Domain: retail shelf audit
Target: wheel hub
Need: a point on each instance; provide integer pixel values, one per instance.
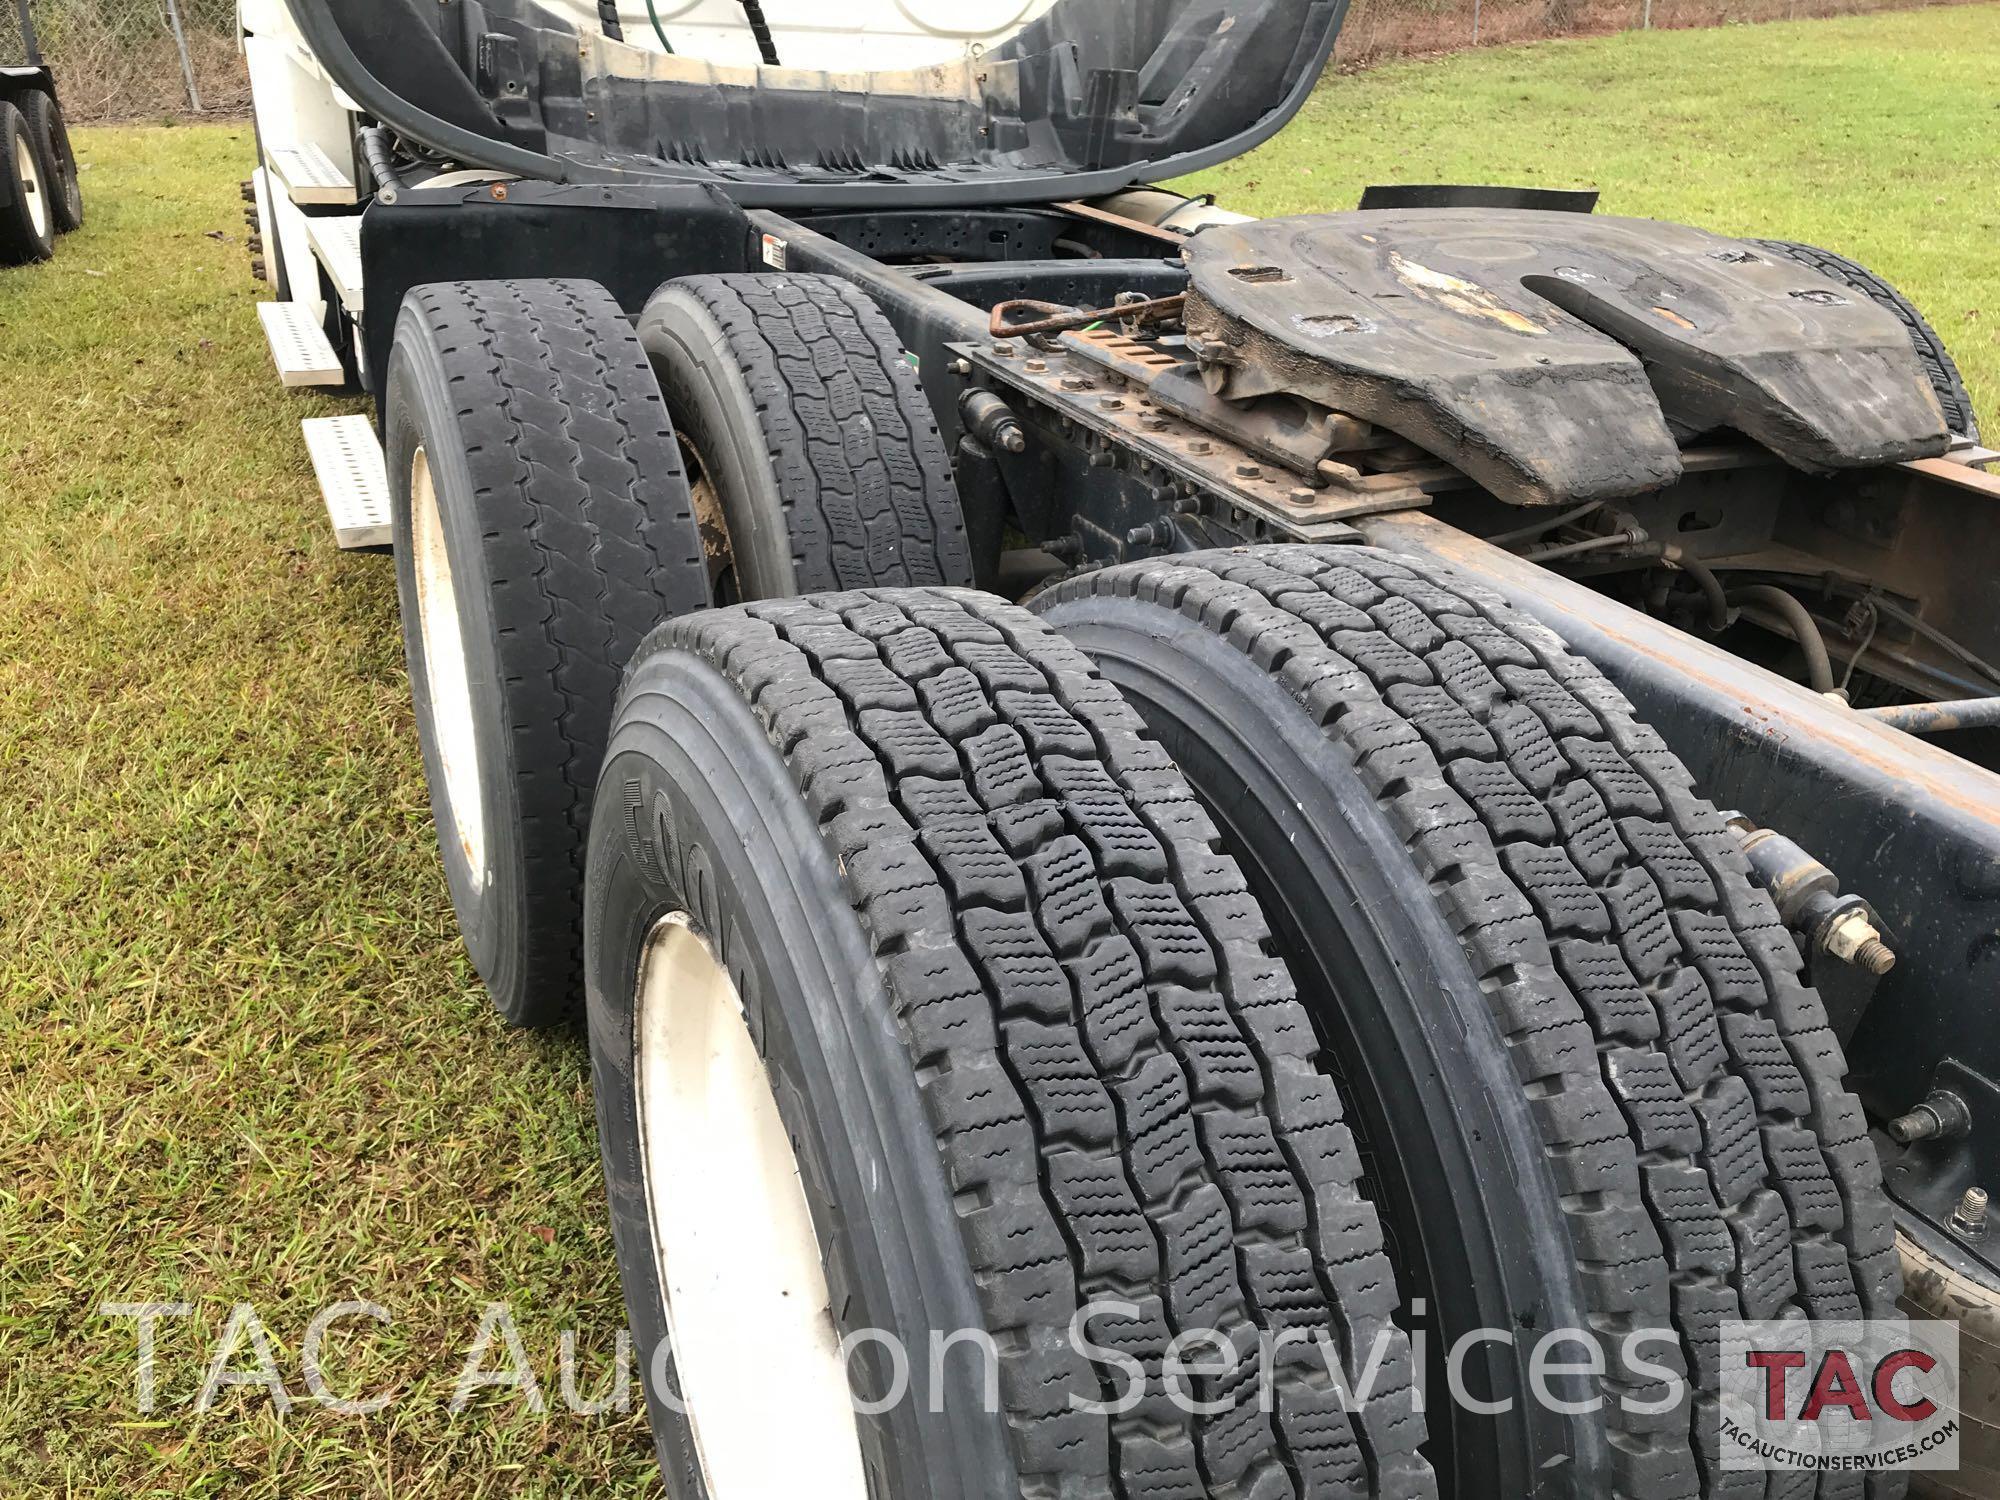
(754, 1343)
(445, 675)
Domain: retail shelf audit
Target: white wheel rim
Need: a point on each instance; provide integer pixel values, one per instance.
(448, 685)
(31, 187)
(755, 1347)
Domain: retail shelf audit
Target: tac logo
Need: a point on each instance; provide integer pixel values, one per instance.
(1855, 1395)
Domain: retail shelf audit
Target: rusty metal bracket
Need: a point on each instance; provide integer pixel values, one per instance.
(1069, 387)
(1059, 318)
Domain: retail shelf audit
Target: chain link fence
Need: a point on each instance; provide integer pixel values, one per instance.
(139, 59)
(135, 59)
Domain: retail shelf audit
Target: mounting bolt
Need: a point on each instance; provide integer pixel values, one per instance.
(1248, 471)
(1110, 403)
(1075, 383)
(1852, 938)
(960, 367)
(1968, 1220)
(1152, 421)
(1302, 494)
(1200, 446)
(1036, 366)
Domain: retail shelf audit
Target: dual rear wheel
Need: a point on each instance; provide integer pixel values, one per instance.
(980, 1010)
(41, 195)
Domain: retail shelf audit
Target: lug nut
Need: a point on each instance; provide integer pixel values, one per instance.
(1968, 1220)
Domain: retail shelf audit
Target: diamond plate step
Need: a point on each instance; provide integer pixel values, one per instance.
(309, 175)
(347, 460)
(299, 346)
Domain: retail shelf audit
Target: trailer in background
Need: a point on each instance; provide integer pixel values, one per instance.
(41, 196)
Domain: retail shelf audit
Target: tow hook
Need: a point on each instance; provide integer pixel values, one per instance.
(1807, 895)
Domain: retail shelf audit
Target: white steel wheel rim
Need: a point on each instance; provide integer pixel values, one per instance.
(447, 682)
(31, 187)
(754, 1343)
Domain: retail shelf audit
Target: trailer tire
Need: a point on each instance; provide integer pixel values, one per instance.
(27, 222)
(1938, 364)
(541, 527)
(812, 451)
(51, 136)
(1590, 1085)
(1018, 1025)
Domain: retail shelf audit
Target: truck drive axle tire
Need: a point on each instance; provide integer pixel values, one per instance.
(811, 449)
(1936, 1287)
(1589, 1086)
(924, 1012)
(542, 526)
(1937, 361)
(27, 219)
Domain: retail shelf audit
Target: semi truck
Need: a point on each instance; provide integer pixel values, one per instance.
(1399, 782)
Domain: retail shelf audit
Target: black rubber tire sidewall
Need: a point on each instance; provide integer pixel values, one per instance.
(716, 414)
(45, 124)
(1464, 1161)
(19, 243)
(752, 867)
(418, 410)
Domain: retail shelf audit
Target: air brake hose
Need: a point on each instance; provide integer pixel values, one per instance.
(761, 29)
(1799, 623)
(653, 13)
(381, 163)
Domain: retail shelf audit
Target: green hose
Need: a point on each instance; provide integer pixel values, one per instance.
(659, 31)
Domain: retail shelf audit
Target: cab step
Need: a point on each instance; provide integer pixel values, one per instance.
(336, 239)
(299, 346)
(347, 459)
(309, 175)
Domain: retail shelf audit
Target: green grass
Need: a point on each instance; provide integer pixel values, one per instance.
(1875, 136)
(242, 1057)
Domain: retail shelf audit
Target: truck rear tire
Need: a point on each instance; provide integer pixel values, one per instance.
(51, 135)
(1590, 1086)
(811, 449)
(27, 221)
(1022, 1050)
(1934, 1288)
(1937, 361)
(541, 526)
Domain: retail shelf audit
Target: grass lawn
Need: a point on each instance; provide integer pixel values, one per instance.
(242, 1058)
